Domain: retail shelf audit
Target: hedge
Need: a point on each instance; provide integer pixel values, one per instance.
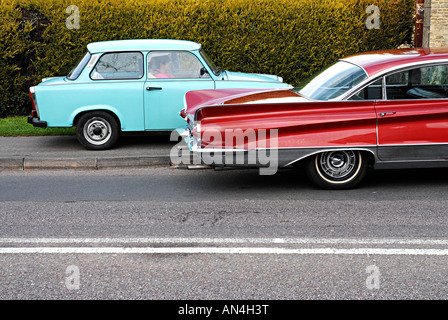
(290, 38)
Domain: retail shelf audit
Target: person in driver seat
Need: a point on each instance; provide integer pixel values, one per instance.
(163, 67)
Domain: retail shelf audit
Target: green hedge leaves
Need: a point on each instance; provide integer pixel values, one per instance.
(290, 38)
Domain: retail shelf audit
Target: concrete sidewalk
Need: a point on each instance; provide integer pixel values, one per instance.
(64, 152)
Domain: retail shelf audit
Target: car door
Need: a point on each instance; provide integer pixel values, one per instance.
(170, 75)
(116, 85)
(413, 119)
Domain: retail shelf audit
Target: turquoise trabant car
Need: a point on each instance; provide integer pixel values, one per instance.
(131, 86)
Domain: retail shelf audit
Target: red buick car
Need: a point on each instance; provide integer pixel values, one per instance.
(383, 109)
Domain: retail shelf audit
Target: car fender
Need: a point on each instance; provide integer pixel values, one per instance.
(77, 113)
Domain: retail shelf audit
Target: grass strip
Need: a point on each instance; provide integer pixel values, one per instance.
(19, 127)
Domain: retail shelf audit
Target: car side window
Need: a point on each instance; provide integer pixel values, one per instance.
(418, 83)
(372, 92)
(175, 65)
(119, 65)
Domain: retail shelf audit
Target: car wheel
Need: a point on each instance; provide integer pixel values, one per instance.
(339, 169)
(97, 130)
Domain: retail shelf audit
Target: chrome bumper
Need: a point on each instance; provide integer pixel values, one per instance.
(188, 139)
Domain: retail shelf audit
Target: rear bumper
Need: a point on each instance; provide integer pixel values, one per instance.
(214, 156)
(188, 139)
(36, 122)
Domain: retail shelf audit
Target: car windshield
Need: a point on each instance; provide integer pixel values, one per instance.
(210, 63)
(332, 82)
(74, 74)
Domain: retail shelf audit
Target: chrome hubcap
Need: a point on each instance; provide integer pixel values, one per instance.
(97, 131)
(338, 164)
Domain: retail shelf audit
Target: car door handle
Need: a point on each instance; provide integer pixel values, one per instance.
(383, 114)
(153, 88)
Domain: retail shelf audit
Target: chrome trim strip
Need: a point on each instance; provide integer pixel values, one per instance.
(355, 64)
(383, 88)
(413, 144)
(332, 149)
(290, 148)
(336, 147)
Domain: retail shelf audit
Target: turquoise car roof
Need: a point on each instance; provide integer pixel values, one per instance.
(141, 45)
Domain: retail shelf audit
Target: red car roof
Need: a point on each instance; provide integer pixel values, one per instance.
(378, 61)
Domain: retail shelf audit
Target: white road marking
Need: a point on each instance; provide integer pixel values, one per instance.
(249, 246)
(304, 241)
(220, 250)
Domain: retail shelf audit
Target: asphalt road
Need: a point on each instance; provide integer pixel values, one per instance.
(173, 233)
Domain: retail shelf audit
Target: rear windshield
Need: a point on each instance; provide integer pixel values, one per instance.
(74, 74)
(332, 82)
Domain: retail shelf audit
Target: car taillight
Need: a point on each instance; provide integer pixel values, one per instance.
(34, 102)
(183, 113)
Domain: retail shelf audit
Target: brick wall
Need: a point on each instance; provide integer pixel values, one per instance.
(438, 27)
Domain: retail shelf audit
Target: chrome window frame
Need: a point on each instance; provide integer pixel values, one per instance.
(401, 68)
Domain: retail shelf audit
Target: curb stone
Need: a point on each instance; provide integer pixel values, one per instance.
(11, 164)
(83, 163)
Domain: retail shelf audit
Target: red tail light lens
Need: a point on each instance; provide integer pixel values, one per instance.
(34, 102)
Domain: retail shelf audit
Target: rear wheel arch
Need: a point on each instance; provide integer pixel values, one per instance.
(80, 114)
